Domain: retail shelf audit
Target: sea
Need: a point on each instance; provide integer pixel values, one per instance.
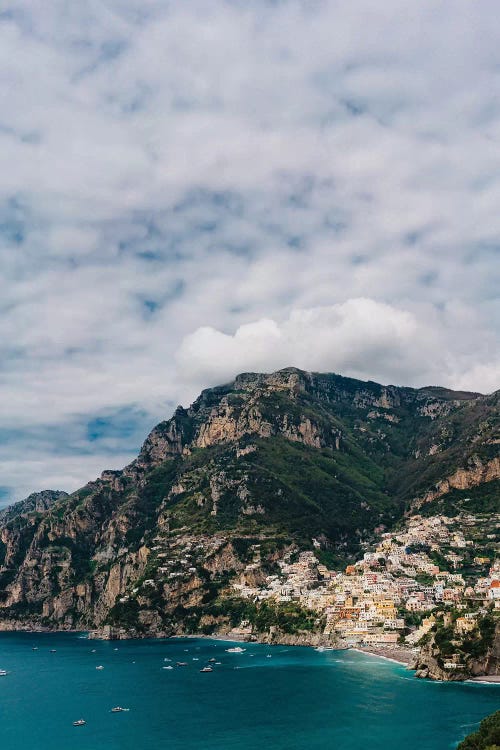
(266, 698)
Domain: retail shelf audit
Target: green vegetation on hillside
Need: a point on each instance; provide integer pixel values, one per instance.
(487, 736)
(482, 499)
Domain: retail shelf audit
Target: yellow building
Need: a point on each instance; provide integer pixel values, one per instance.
(386, 609)
(464, 625)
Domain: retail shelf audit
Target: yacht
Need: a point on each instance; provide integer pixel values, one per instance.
(118, 710)
(79, 723)
(235, 650)
(182, 663)
(100, 667)
(3, 673)
(206, 669)
(168, 667)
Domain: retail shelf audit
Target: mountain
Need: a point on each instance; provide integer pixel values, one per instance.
(37, 502)
(251, 471)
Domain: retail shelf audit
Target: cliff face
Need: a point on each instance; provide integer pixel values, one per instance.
(281, 460)
(38, 502)
(436, 663)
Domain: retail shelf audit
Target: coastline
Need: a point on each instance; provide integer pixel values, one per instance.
(405, 657)
(400, 656)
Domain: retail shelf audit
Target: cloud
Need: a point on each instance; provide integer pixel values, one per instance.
(361, 338)
(357, 336)
(188, 190)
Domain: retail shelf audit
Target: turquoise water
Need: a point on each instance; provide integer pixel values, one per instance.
(296, 700)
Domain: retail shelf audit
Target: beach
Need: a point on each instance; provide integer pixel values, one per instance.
(398, 654)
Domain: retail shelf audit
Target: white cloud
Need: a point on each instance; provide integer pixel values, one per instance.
(189, 190)
(361, 338)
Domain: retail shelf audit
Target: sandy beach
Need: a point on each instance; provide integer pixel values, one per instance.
(399, 654)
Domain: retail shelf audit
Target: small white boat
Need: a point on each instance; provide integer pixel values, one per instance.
(119, 710)
(182, 663)
(206, 669)
(235, 650)
(79, 723)
(3, 673)
(100, 667)
(168, 667)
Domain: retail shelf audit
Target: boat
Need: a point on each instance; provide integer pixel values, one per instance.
(212, 660)
(3, 673)
(206, 669)
(119, 710)
(100, 667)
(35, 648)
(53, 651)
(79, 723)
(182, 663)
(168, 667)
(235, 650)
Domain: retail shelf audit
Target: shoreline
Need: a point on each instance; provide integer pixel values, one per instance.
(400, 655)
(487, 679)
(405, 657)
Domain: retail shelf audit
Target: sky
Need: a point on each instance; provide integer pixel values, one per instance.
(194, 189)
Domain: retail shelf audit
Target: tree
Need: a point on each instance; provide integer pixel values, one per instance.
(487, 736)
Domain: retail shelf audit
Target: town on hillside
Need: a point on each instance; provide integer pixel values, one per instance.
(428, 572)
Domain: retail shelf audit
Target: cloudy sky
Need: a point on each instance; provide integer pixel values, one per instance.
(193, 189)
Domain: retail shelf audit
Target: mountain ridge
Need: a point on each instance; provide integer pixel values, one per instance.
(293, 459)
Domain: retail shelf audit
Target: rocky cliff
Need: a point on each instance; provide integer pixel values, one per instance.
(282, 461)
(461, 658)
